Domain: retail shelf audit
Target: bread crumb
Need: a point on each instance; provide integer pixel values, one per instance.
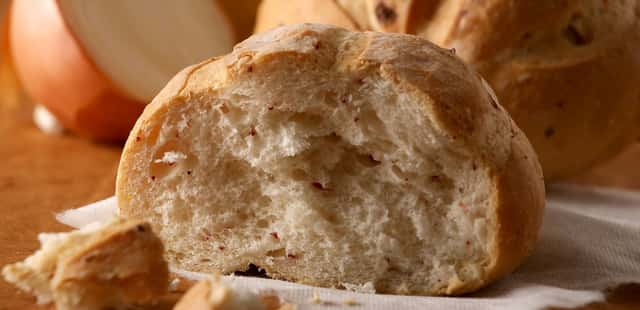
(366, 288)
(170, 157)
(183, 123)
(315, 299)
(270, 299)
(174, 284)
(403, 289)
(350, 302)
(216, 293)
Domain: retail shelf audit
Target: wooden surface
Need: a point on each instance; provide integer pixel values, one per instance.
(41, 175)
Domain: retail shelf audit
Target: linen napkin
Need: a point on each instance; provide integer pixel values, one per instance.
(590, 240)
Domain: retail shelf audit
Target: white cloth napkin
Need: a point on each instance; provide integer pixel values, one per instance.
(590, 240)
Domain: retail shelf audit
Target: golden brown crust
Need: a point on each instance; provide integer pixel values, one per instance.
(120, 263)
(172, 91)
(196, 298)
(518, 202)
(566, 70)
(435, 77)
(553, 66)
(518, 205)
(128, 261)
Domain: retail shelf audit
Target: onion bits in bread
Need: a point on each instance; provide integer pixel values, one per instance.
(336, 158)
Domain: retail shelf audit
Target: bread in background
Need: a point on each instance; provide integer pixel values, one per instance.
(567, 71)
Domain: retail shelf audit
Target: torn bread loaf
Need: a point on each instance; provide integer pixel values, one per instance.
(98, 267)
(214, 294)
(337, 159)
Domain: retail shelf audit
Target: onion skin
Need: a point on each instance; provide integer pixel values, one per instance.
(10, 92)
(57, 72)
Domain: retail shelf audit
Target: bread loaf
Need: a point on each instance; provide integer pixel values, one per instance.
(567, 71)
(98, 267)
(335, 158)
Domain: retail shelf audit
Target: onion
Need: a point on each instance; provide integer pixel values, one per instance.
(95, 64)
(9, 94)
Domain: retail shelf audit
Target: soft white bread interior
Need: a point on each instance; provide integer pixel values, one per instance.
(98, 267)
(336, 158)
(214, 294)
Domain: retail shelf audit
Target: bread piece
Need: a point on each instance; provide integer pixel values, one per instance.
(215, 294)
(335, 159)
(97, 267)
(567, 71)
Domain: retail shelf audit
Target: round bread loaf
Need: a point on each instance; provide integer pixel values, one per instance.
(338, 159)
(567, 71)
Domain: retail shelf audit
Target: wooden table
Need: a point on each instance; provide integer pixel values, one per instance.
(41, 175)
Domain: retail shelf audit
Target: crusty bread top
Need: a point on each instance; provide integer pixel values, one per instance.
(422, 68)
